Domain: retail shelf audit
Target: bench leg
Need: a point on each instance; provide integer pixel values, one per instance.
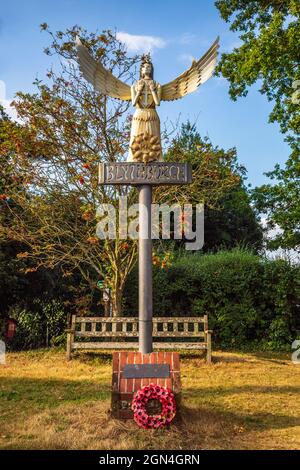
(208, 353)
(70, 337)
(69, 346)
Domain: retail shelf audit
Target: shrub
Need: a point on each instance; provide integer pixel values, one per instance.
(43, 325)
(249, 300)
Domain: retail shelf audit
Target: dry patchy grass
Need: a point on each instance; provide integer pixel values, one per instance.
(242, 401)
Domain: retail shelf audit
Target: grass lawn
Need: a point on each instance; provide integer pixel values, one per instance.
(242, 401)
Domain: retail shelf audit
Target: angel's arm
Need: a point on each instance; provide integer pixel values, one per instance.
(156, 93)
(136, 91)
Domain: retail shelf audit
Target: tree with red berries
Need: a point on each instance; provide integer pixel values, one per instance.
(52, 157)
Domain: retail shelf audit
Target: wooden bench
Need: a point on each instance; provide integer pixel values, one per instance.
(183, 333)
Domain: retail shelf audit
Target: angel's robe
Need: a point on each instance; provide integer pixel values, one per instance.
(145, 119)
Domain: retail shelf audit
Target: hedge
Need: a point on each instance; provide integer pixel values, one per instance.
(250, 300)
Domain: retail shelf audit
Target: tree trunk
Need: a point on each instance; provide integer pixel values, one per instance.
(116, 300)
(107, 308)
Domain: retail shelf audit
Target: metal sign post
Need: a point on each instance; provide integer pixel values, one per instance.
(145, 270)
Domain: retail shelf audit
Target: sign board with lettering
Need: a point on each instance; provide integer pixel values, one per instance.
(153, 173)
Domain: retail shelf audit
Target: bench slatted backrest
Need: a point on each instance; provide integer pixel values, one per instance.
(122, 332)
(168, 327)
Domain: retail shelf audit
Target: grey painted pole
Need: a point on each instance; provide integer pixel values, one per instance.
(145, 270)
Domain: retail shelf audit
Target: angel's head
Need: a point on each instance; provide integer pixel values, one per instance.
(146, 68)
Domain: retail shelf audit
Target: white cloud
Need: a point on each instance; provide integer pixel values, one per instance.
(187, 38)
(10, 110)
(186, 58)
(140, 43)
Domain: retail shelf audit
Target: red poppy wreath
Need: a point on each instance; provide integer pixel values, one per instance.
(153, 392)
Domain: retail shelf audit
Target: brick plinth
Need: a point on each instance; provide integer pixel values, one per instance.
(124, 389)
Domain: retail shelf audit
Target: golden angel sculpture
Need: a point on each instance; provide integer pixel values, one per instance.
(145, 94)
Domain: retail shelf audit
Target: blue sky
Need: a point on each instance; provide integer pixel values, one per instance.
(176, 31)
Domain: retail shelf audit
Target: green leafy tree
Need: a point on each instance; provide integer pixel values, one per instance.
(281, 204)
(270, 35)
(218, 183)
(236, 224)
(11, 281)
(215, 171)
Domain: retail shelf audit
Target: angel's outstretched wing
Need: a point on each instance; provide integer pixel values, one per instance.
(102, 80)
(197, 74)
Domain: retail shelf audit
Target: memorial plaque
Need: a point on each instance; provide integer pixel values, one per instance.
(140, 371)
(153, 173)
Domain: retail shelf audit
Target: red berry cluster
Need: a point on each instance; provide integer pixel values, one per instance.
(153, 392)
